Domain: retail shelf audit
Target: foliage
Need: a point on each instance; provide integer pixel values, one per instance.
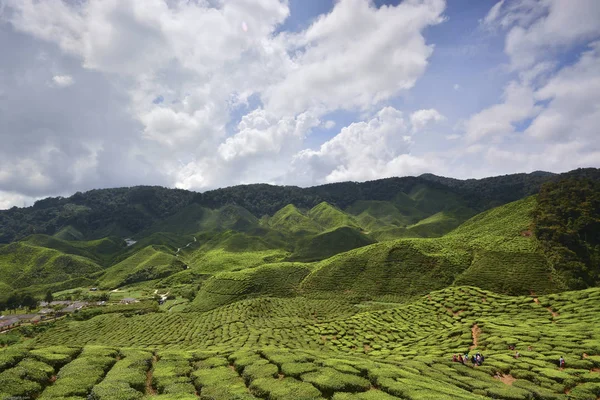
(567, 223)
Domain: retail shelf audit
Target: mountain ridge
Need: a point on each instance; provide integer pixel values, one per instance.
(126, 211)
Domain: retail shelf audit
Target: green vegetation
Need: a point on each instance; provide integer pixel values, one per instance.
(343, 291)
(23, 265)
(567, 223)
(152, 262)
(330, 243)
(294, 348)
(279, 280)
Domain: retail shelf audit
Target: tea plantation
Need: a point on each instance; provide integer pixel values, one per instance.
(298, 348)
(342, 292)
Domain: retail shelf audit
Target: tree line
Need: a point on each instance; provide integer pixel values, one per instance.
(566, 221)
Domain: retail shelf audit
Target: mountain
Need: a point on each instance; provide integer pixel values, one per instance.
(126, 212)
(397, 237)
(346, 291)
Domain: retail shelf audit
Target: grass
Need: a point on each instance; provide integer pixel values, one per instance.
(315, 349)
(401, 268)
(330, 243)
(101, 251)
(289, 219)
(280, 279)
(150, 263)
(23, 265)
(329, 217)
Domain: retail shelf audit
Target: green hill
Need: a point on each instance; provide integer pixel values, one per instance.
(290, 219)
(152, 262)
(295, 348)
(279, 279)
(330, 243)
(440, 223)
(373, 215)
(69, 233)
(23, 265)
(492, 250)
(101, 251)
(399, 269)
(329, 217)
(195, 218)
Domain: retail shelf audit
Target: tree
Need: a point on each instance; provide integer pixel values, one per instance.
(13, 301)
(29, 301)
(49, 298)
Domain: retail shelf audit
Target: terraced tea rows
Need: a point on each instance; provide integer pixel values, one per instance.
(299, 348)
(276, 373)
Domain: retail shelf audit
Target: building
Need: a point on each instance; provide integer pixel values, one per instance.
(8, 323)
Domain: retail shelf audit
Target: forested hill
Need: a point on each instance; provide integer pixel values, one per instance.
(127, 211)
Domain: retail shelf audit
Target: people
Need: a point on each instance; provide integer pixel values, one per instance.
(561, 362)
(454, 358)
(460, 359)
(517, 354)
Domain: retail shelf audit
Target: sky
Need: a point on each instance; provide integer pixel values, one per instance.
(202, 94)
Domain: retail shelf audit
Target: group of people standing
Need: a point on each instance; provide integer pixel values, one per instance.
(476, 359)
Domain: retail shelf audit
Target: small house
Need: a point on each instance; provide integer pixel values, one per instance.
(7, 323)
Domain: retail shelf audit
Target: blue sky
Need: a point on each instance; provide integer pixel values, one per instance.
(200, 95)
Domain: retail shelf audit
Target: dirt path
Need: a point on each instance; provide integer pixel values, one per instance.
(475, 332)
(506, 379)
(554, 313)
(149, 388)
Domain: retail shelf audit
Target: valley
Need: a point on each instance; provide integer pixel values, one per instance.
(343, 291)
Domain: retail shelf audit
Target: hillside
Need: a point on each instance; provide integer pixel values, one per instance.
(363, 299)
(128, 211)
(25, 266)
(152, 262)
(315, 349)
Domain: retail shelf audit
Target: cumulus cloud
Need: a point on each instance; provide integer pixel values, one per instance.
(421, 118)
(499, 120)
(204, 61)
(329, 124)
(573, 102)
(12, 199)
(377, 147)
(63, 80)
(261, 133)
(356, 56)
(537, 29)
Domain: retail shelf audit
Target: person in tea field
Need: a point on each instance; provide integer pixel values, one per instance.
(561, 362)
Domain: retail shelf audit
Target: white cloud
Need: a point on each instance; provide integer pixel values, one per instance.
(329, 124)
(12, 199)
(363, 150)
(356, 56)
(261, 133)
(63, 80)
(573, 96)
(206, 59)
(421, 118)
(537, 29)
(456, 86)
(551, 157)
(498, 120)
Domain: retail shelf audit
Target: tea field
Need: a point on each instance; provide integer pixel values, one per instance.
(299, 348)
